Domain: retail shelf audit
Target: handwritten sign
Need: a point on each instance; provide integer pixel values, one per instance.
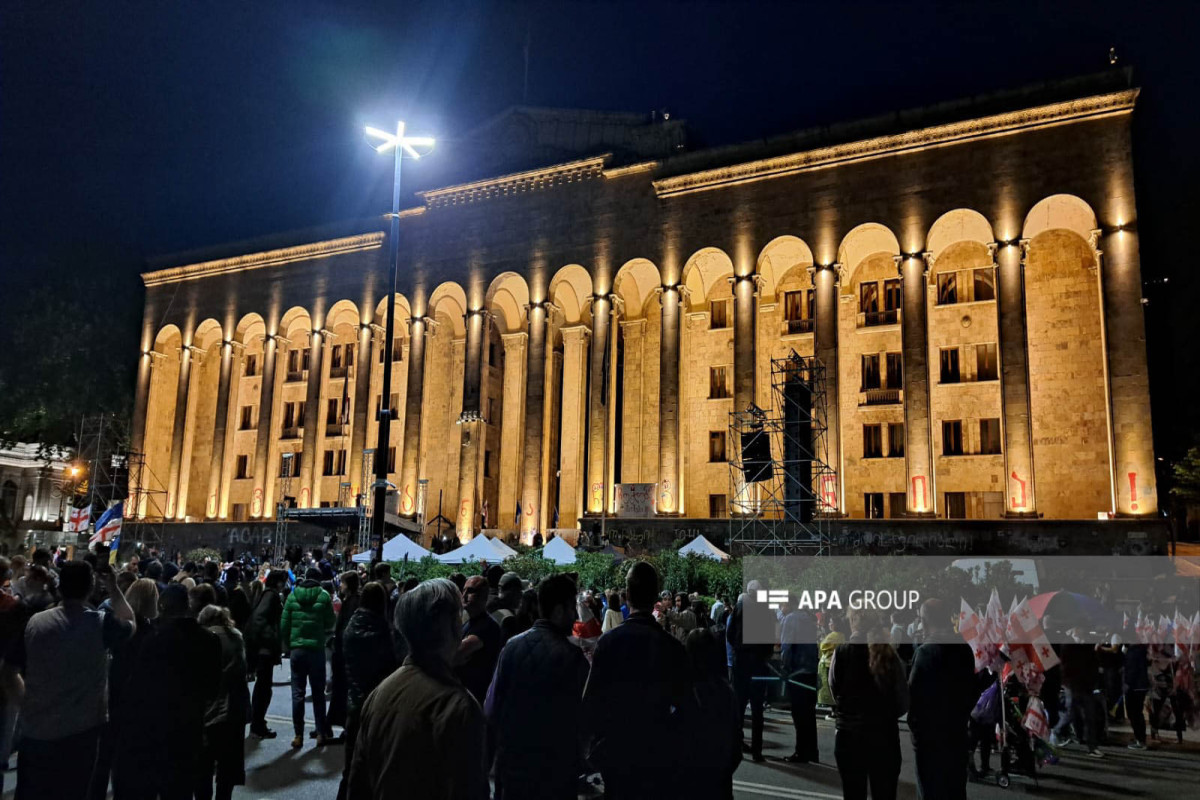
(635, 499)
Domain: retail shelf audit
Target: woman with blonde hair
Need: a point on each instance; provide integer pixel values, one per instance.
(870, 692)
(225, 718)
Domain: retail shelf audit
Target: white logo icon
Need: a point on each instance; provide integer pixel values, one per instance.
(774, 598)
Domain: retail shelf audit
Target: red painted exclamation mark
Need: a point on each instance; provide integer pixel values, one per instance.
(1133, 491)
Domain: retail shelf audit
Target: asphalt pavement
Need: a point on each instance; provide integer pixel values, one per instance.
(1167, 770)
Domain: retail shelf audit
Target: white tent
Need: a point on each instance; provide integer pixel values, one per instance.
(481, 548)
(559, 551)
(394, 549)
(704, 548)
(503, 548)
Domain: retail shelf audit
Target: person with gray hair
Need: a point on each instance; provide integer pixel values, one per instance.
(421, 733)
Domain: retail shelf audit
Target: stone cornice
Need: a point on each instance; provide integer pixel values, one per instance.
(911, 141)
(516, 183)
(267, 258)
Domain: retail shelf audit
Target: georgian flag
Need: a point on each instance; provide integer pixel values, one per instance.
(79, 518)
(1035, 720)
(109, 525)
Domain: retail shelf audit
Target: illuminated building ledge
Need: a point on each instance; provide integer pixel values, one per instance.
(267, 258)
(938, 135)
(569, 172)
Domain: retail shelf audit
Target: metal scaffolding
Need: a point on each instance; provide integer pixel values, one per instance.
(783, 489)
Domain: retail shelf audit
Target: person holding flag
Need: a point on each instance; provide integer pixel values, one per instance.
(108, 526)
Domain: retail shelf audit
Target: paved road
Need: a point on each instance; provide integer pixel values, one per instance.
(1168, 771)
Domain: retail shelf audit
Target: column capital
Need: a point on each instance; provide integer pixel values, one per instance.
(377, 332)
(235, 346)
(838, 270)
(326, 334)
(633, 326)
(514, 340)
(1094, 243)
(681, 289)
(617, 305)
(480, 312)
(576, 333)
(198, 352)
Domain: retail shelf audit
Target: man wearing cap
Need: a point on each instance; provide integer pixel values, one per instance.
(481, 640)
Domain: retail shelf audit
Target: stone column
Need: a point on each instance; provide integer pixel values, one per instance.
(470, 422)
(534, 423)
(262, 439)
(181, 421)
(825, 281)
(670, 449)
(745, 323)
(597, 413)
(574, 412)
(313, 417)
(231, 362)
(1128, 377)
(418, 329)
(1020, 500)
(914, 333)
(514, 439)
(633, 334)
(138, 442)
(610, 418)
(358, 420)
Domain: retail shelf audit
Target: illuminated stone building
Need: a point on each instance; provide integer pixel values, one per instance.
(968, 274)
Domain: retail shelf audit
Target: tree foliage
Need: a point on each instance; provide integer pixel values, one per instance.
(1187, 478)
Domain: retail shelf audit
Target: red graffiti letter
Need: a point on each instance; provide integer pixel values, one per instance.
(1133, 506)
(408, 499)
(1021, 505)
(829, 492)
(918, 501)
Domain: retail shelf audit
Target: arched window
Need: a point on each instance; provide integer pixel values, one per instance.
(8, 501)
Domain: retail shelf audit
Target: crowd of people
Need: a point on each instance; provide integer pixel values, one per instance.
(485, 686)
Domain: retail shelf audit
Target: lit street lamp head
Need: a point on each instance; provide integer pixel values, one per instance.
(398, 139)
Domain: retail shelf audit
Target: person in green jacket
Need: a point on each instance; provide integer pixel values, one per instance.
(307, 623)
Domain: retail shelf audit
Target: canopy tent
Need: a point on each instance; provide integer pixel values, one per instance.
(481, 548)
(503, 548)
(704, 548)
(394, 549)
(559, 551)
(617, 553)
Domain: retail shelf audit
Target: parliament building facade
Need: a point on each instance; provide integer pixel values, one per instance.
(967, 274)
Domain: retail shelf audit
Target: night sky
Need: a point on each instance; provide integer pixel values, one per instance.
(133, 130)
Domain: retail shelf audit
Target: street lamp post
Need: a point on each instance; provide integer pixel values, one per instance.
(400, 144)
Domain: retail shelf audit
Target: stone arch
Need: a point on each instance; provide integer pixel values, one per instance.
(207, 334)
(450, 301)
(959, 225)
(248, 328)
(861, 243)
(635, 284)
(343, 312)
(1060, 212)
(403, 310)
(704, 270)
(782, 256)
(506, 298)
(570, 288)
(295, 322)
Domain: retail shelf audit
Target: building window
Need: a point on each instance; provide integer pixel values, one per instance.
(327, 463)
(397, 349)
(870, 371)
(896, 505)
(947, 288)
(718, 383)
(491, 410)
(293, 464)
(289, 415)
(956, 505)
(891, 294)
(239, 512)
(491, 354)
(895, 440)
(895, 371)
(331, 413)
(985, 362)
(242, 467)
(391, 459)
(349, 357)
(487, 463)
(251, 366)
(341, 462)
(716, 446)
(798, 311)
(950, 373)
(952, 440)
(872, 441)
(868, 298)
(335, 358)
(985, 284)
(247, 419)
(718, 314)
(873, 505)
(989, 436)
(716, 506)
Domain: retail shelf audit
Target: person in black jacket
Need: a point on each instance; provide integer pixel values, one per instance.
(638, 698)
(225, 717)
(942, 693)
(336, 715)
(369, 658)
(870, 693)
(534, 703)
(715, 726)
(264, 650)
(750, 657)
(798, 639)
